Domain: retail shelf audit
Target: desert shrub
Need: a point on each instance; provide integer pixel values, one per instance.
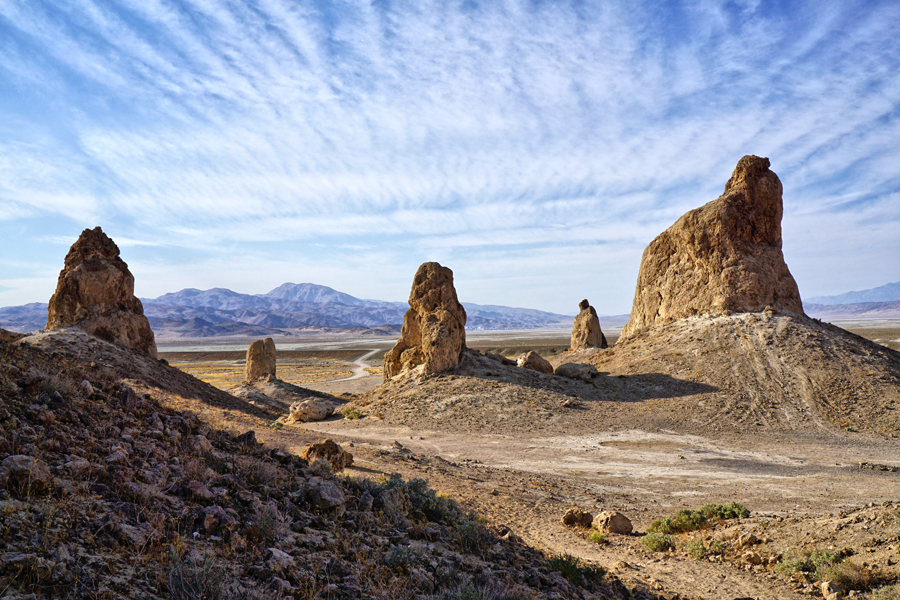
(192, 579)
(574, 570)
(817, 563)
(847, 575)
(732, 510)
(402, 558)
(473, 537)
(467, 590)
(434, 506)
(684, 520)
(269, 524)
(716, 547)
(351, 413)
(696, 549)
(596, 536)
(658, 542)
(692, 520)
(890, 592)
(258, 472)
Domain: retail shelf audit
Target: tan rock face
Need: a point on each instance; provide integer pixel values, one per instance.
(260, 360)
(95, 293)
(434, 327)
(533, 360)
(721, 258)
(586, 332)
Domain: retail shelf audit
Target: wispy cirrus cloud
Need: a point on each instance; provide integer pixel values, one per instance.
(483, 133)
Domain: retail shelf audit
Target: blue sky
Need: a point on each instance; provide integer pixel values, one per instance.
(533, 147)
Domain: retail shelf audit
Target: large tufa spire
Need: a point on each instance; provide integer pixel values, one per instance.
(721, 258)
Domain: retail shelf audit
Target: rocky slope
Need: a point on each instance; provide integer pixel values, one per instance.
(108, 491)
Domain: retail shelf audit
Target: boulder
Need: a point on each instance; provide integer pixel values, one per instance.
(722, 258)
(330, 452)
(433, 335)
(533, 360)
(586, 331)
(580, 371)
(260, 360)
(612, 522)
(575, 517)
(310, 409)
(95, 293)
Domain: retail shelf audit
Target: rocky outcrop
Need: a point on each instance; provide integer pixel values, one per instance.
(722, 258)
(95, 293)
(329, 451)
(260, 360)
(536, 362)
(586, 331)
(434, 328)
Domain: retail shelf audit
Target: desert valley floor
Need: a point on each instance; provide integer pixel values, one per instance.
(521, 449)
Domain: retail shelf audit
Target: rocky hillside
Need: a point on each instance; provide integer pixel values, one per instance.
(107, 490)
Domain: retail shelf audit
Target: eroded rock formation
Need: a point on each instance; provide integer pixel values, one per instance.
(586, 332)
(434, 327)
(95, 293)
(260, 360)
(722, 258)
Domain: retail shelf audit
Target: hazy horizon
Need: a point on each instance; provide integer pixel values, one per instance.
(533, 148)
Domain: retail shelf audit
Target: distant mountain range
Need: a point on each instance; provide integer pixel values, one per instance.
(885, 293)
(289, 309)
(304, 308)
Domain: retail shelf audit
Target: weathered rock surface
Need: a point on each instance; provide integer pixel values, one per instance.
(95, 293)
(583, 371)
(533, 360)
(260, 360)
(329, 451)
(434, 328)
(612, 522)
(722, 258)
(575, 517)
(586, 332)
(310, 409)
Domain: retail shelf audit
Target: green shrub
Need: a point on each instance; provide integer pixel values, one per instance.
(596, 536)
(658, 542)
(732, 510)
(692, 520)
(817, 563)
(696, 549)
(574, 570)
(351, 413)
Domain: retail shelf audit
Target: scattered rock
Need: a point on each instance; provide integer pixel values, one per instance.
(582, 371)
(575, 517)
(433, 333)
(330, 452)
(612, 522)
(586, 331)
(533, 360)
(29, 475)
(325, 495)
(260, 360)
(95, 293)
(721, 258)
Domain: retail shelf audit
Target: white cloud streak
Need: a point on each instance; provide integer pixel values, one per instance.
(494, 131)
